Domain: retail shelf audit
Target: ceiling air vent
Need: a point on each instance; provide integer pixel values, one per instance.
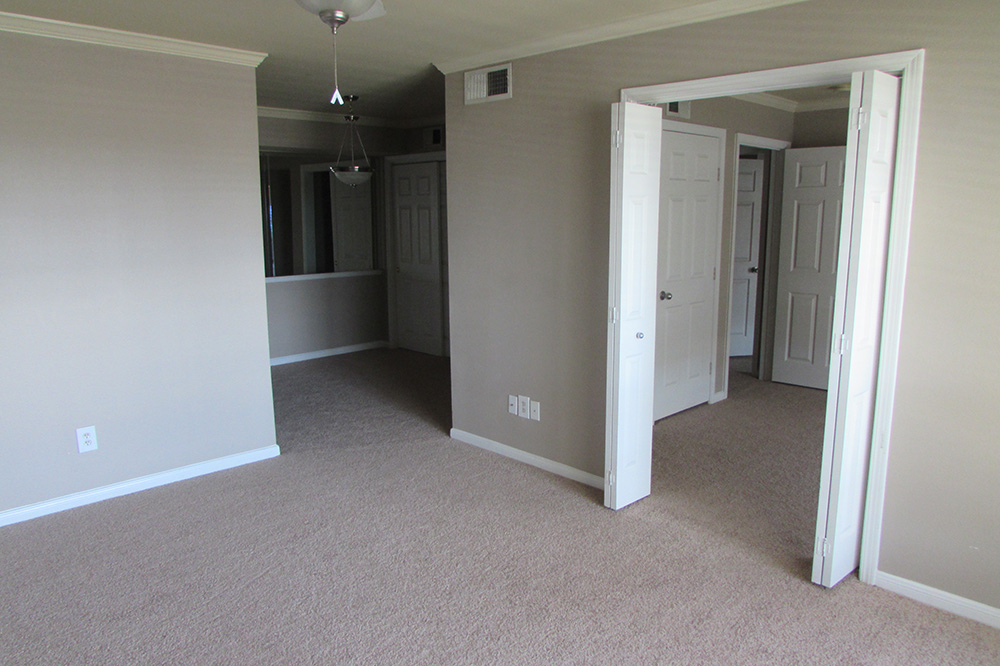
(488, 84)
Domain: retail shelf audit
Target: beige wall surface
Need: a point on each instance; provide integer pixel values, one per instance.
(323, 313)
(814, 129)
(528, 215)
(131, 272)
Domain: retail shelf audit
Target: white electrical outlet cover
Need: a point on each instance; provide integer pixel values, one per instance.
(512, 404)
(523, 406)
(536, 411)
(86, 439)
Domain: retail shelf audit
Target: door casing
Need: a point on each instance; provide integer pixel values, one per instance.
(909, 66)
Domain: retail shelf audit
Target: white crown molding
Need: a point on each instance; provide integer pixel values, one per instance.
(338, 118)
(773, 101)
(705, 11)
(88, 34)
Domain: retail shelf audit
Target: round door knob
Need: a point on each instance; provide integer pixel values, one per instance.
(640, 335)
(665, 295)
(753, 269)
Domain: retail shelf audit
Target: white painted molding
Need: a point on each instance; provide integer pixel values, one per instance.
(89, 34)
(321, 276)
(85, 497)
(798, 76)
(769, 100)
(759, 142)
(323, 353)
(946, 601)
(697, 13)
(338, 118)
(552, 466)
(892, 310)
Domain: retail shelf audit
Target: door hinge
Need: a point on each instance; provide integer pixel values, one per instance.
(618, 138)
(713, 272)
(859, 117)
(611, 478)
(718, 174)
(825, 548)
(613, 315)
(845, 343)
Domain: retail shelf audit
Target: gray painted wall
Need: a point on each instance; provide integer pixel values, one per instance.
(528, 235)
(131, 272)
(325, 312)
(815, 129)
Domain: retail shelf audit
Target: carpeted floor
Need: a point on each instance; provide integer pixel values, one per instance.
(376, 539)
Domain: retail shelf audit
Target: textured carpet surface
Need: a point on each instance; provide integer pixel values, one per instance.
(376, 539)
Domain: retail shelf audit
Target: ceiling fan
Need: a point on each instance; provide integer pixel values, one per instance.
(336, 13)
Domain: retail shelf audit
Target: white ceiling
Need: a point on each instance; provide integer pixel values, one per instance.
(395, 62)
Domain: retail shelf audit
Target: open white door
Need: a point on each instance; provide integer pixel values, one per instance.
(635, 174)
(746, 256)
(857, 324)
(811, 215)
(686, 267)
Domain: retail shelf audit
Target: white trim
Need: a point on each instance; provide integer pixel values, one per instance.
(892, 309)
(89, 34)
(323, 353)
(552, 466)
(759, 142)
(697, 13)
(338, 118)
(85, 497)
(946, 601)
(322, 276)
(908, 64)
(798, 76)
(783, 104)
(769, 100)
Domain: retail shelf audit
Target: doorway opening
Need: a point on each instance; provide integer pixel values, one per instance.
(629, 394)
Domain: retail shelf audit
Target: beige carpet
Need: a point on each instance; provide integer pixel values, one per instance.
(375, 539)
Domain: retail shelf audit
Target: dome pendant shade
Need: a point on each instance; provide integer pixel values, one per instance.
(353, 175)
(342, 10)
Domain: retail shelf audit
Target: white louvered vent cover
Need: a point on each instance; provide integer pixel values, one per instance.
(488, 84)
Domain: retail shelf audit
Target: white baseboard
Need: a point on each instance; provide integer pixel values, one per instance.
(39, 509)
(557, 468)
(947, 601)
(323, 353)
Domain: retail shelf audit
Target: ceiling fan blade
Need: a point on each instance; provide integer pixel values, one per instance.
(377, 10)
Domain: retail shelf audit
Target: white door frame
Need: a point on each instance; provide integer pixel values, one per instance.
(909, 66)
(765, 143)
(390, 233)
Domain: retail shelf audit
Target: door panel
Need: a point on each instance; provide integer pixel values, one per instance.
(807, 265)
(419, 297)
(635, 173)
(687, 254)
(746, 255)
(857, 320)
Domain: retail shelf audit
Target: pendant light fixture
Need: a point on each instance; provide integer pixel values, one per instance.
(355, 173)
(336, 13)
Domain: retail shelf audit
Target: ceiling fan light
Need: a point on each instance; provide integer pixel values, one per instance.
(352, 8)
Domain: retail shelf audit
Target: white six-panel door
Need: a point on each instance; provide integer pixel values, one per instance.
(635, 186)
(857, 324)
(807, 265)
(419, 299)
(688, 246)
(746, 256)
